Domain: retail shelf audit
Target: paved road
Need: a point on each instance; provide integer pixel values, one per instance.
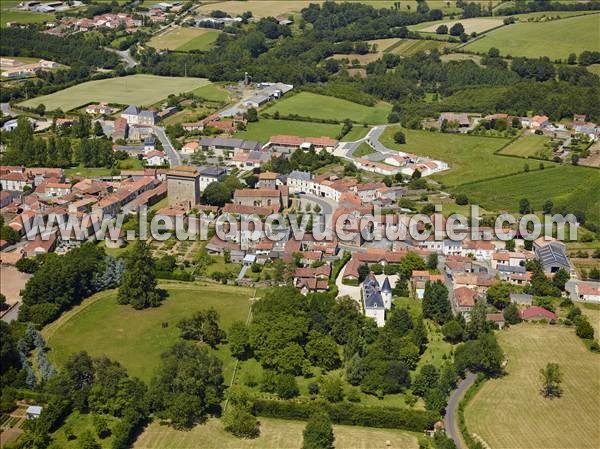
(451, 420)
(125, 56)
(327, 206)
(346, 149)
(172, 154)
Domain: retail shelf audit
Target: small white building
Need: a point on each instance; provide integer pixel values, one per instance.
(376, 299)
(33, 412)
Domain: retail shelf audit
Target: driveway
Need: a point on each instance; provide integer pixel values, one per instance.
(451, 420)
(347, 290)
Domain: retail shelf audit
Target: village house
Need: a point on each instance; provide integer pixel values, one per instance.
(273, 198)
(419, 280)
(539, 122)
(268, 180)
(248, 160)
(588, 292)
(15, 181)
(464, 300)
(287, 144)
(155, 159)
(99, 109)
(209, 175)
(136, 116)
(461, 119)
(537, 313)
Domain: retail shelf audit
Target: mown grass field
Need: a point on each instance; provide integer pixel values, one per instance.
(510, 412)
(470, 158)
(408, 47)
(363, 149)
(528, 146)
(24, 17)
(555, 39)
(274, 434)
(475, 25)
(575, 187)
(212, 92)
(307, 104)
(184, 39)
(135, 338)
(262, 130)
(135, 89)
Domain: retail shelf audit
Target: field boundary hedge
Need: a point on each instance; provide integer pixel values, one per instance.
(348, 414)
(470, 393)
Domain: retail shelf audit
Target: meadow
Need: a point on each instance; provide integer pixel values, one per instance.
(575, 187)
(308, 104)
(470, 158)
(184, 39)
(555, 39)
(274, 434)
(135, 89)
(528, 146)
(510, 412)
(24, 17)
(262, 130)
(136, 338)
(212, 92)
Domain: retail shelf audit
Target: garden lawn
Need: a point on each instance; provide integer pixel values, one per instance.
(308, 104)
(79, 424)
(578, 188)
(510, 412)
(88, 172)
(274, 434)
(265, 128)
(555, 39)
(136, 338)
(528, 146)
(471, 158)
(135, 89)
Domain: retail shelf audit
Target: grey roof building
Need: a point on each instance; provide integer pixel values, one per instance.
(552, 255)
(225, 143)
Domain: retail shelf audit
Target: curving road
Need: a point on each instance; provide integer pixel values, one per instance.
(125, 56)
(451, 421)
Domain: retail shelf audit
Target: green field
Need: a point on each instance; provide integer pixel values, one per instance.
(24, 17)
(204, 42)
(470, 158)
(408, 47)
(528, 146)
(135, 89)
(363, 149)
(474, 25)
(594, 68)
(265, 128)
(184, 39)
(510, 412)
(135, 338)
(357, 132)
(88, 172)
(575, 187)
(555, 39)
(79, 424)
(212, 92)
(274, 434)
(307, 104)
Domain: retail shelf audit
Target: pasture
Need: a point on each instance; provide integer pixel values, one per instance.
(575, 187)
(307, 104)
(212, 92)
(475, 25)
(184, 39)
(136, 338)
(510, 412)
(274, 434)
(555, 39)
(471, 158)
(262, 130)
(135, 89)
(528, 146)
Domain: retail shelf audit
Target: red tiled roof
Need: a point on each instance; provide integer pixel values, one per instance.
(537, 312)
(465, 297)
